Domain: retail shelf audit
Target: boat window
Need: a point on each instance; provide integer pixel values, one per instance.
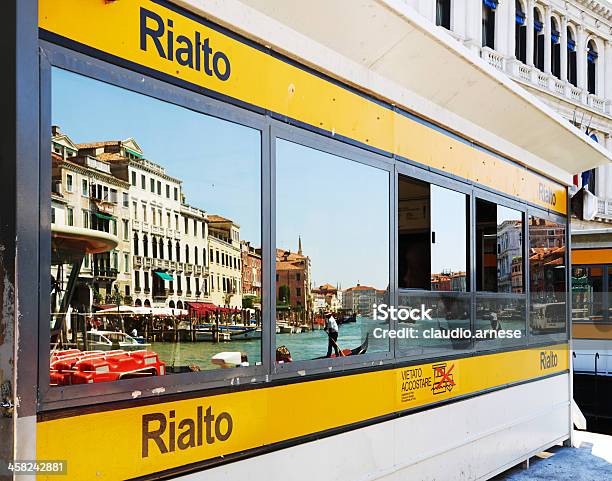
(332, 253)
(589, 300)
(500, 316)
(547, 278)
(216, 167)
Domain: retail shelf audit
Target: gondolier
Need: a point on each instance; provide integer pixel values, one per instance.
(331, 327)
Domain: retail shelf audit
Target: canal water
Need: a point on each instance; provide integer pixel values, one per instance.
(303, 346)
(313, 344)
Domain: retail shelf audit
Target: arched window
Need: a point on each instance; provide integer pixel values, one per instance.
(195, 255)
(488, 23)
(147, 303)
(204, 256)
(555, 48)
(169, 250)
(145, 246)
(187, 253)
(136, 243)
(520, 33)
(178, 252)
(161, 248)
(591, 67)
(179, 305)
(171, 304)
(138, 303)
(443, 13)
(571, 59)
(154, 247)
(538, 40)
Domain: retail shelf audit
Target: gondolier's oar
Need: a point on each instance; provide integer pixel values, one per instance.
(335, 344)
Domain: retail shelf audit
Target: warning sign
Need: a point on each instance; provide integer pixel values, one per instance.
(427, 383)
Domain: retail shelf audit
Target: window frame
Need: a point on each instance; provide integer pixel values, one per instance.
(462, 187)
(55, 56)
(503, 201)
(310, 140)
(547, 339)
(270, 128)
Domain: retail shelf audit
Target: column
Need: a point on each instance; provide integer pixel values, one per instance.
(563, 41)
(530, 30)
(607, 70)
(602, 58)
(473, 27)
(511, 23)
(581, 59)
(547, 40)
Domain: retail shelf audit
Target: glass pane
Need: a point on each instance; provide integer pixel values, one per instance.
(442, 322)
(449, 221)
(547, 278)
(167, 308)
(332, 253)
(587, 294)
(499, 248)
(414, 248)
(432, 234)
(500, 321)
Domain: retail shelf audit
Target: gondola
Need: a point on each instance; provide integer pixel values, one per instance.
(353, 352)
(347, 319)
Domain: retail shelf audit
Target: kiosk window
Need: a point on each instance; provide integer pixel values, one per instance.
(500, 316)
(433, 264)
(432, 233)
(547, 277)
(332, 253)
(105, 324)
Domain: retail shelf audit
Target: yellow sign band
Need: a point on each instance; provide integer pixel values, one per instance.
(136, 441)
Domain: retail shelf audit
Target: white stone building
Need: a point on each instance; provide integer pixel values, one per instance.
(559, 50)
(225, 262)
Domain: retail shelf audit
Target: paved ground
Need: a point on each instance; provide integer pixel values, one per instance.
(589, 460)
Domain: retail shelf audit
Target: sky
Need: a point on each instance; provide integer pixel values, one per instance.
(338, 207)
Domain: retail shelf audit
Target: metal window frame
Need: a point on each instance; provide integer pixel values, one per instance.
(560, 219)
(480, 193)
(307, 139)
(192, 384)
(462, 187)
(54, 56)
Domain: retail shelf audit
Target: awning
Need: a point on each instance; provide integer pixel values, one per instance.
(202, 307)
(164, 275)
(104, 216)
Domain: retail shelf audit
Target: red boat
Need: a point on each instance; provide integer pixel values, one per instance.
(83, 367)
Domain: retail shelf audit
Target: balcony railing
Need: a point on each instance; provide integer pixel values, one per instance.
(533, 76)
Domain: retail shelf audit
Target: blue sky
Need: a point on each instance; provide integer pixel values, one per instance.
(340, 209)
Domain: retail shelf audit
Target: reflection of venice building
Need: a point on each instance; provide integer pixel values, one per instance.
(293, 280)
(360, 299)
(86, 194)
(154, 206)
(251, 270)
(225, 261)
(326, 298)
(509, 248)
